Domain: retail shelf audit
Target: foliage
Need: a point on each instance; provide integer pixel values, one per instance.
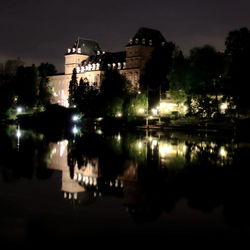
(46, 69)
(114, 84)
(87, 98)
(6, 97)
(154, 78)
(45, 92)
(73, 85)
(27, 86)
(197, 79)
(114, 90)
(134, 103)
(238, 78)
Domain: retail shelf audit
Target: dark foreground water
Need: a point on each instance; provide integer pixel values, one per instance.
(96, 187)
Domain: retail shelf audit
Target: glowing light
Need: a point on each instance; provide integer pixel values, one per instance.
(223, 106)
(119, 114)
(165, 149)
(154, 111)
(141, 111)
(75, 118)
(150, 117)
(119, 137)
(18, 133)
(99, 132)
(19, 110)
(154, 143)
(75, 130)
(140, 145)
(223, 152)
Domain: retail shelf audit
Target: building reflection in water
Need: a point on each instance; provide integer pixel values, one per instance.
(86, 175)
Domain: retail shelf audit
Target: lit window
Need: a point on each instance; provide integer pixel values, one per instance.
(119, 65)
(69, 50)
(73, 50)
(136, 77)
(150, 42)
(136, 40)
(79, 50)
(124, 65)
(143, 40)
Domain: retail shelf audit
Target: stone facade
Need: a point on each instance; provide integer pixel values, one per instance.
(91, 62)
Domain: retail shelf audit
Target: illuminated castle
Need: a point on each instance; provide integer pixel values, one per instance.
(91, 62)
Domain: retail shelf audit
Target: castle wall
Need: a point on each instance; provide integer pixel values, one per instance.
(61, 89)
(72, 61)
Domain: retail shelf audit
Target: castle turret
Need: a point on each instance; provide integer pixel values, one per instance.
(80, 51)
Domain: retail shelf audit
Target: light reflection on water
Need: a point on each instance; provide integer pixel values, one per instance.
(149, 172)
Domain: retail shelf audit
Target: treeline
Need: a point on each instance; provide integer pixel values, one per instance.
(206, 82)
(114, 98)
(206, 78)
(28, 87)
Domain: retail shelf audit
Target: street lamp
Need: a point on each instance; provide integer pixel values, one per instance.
(19, 110)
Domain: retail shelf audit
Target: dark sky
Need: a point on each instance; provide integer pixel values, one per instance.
(42, 30)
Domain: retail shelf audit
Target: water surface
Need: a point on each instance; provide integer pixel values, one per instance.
(143, 185)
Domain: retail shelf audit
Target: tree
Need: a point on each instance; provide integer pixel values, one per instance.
(46, 69)
(45, 92)
(27, 86)
(6, 97)
(114, 90)
(10, 68)
(73, 85)
(45, 89)
(238, 50)
(197, 80)
(87, 98)
(154, 78)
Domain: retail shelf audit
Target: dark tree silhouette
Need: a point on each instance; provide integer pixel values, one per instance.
(73, 84)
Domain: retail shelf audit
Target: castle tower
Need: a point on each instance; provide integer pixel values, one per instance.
(139, 51)
(81, 50)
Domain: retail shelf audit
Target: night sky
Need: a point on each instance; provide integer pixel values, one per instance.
(42, 30)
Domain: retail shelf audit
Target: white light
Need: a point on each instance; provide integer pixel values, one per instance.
(141, 111)
(223, 106)
(154, 111)
(75, 118)
(119, 137)
(18, 133)
(99, 132)
(119, 114)
(140, 145)
(223, 152)
(19, 109)
(75, 130)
